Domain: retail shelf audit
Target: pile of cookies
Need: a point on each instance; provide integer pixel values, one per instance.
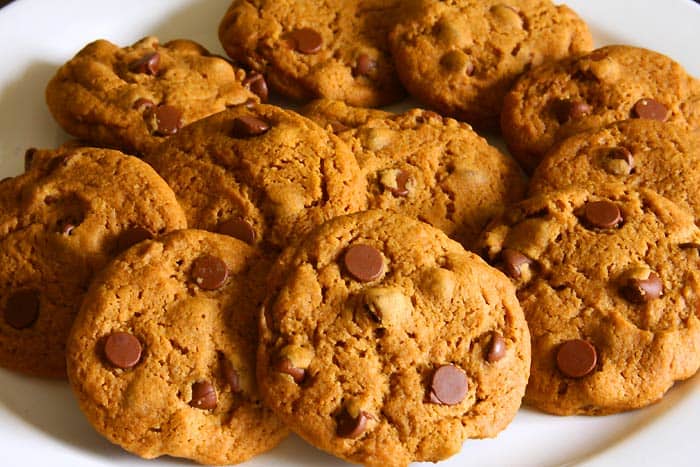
(210, 270)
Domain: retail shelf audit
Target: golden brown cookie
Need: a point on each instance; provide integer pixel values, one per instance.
(260, 173)
(613, 83)
(383, 342)
(162, 354)
(337, 116)
(460, 57)
(133, 98)
(307, 49)
(610, 286)
(60, 222)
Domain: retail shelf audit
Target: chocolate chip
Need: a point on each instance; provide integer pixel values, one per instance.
(619, 161)
(305, 40)
(365, 263)
(650, 109)
(364, 66)
(513, 262)
(244, 127)
(229, 374)
(351, 427)
(122, 350)
(209, 272)
(638, 290)
(257, 85)
(448, 385)
(168, 119)
(142, 104)
(132, 236)
(567, 110)
(238, 228)
(22, 309)
(203, 396)
(284, 365)
(602, 214)
(149, 64)
(498, 348)
(576, 358)
(402, 179)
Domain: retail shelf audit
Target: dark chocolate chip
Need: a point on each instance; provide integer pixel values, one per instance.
(305, 40)
(568, 110)
(238, 228)
(602, 214)
(448, 385)
(498, 348)
(402, 179)
(364, 262)
(22, 309)
(209, 272)
(364, 66)
(149, 64)
(203, 396)
(168, 119)
(513, 261)
(122, 350)
(257, 85)
(576, 358)
(229, 374)
(245, 127)
(351, 427)
(650, 109)
(132, 236)
(284, 365)
(640, 291)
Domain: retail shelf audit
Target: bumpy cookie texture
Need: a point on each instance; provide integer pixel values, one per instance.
(133, 98)
(262, 170)
(383, 342)
(610, 288)
(338, 117)
(60, 222)
(613, 83)
(437, 170)
(461, 56)
(162, 355)
(639, 153)
(308, 49)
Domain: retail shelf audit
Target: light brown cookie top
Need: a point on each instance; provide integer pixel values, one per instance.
(60, 222)
(307, 49)
(613, 83)
(610, 286)
(383, 342)
(461, 56)
(133, 98)
(162, 354)
(437, 170)
(260, 173)
(639, 153)
(338, 117)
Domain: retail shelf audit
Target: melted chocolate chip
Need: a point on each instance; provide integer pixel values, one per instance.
(513, 262)
(148, 64)
(238, 228)
(122, 350)
(640, 291)
(22, 309)
(203, 396)
(650, 109)
(209, 272)
(285, 366)
(576, 358)
(602, 214)
(245, 127)
(257, 85)
(364, 262)
(168, 119)
(498, 348)
(305, 40)
(448, 385)
(351, 427)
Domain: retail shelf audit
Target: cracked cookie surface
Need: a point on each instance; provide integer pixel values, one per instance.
(384, 342)
(610, 287)
(162, 354)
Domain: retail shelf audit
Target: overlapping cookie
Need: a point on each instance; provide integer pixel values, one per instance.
(383, 342)
(610, 286)
(162, 354)
(60, 222)
(338, 116)
(133, 98)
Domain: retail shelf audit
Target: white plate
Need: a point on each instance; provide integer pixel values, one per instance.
(39, 421)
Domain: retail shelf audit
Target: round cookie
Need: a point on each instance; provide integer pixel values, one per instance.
(337, 116)
(383, 342)
(162, 354)
(437, 170)
(133, 98)
(308, 49)
(610, 286)
(639, 153)
(260, 173)
(612, 83)
(460, 57)
(60, 222)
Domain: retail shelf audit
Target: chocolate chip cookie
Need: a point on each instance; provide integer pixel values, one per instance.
(460, 57)
(639, 153)
(133, 98)
(610, 286)
(60, 222)
(260, 173)
(613, 83)
(338, 117)
(307, 49)
(162, 354)
(383, 342)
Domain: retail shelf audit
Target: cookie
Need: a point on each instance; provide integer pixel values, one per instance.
(133, 98)
(337, 116)
(309, 49)
(60, 223)
(639, 153)
(610, 287)
(383, 342)
(437, 170)
(162, 354)
(260, 173)
(612, 83)
(460, 57)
